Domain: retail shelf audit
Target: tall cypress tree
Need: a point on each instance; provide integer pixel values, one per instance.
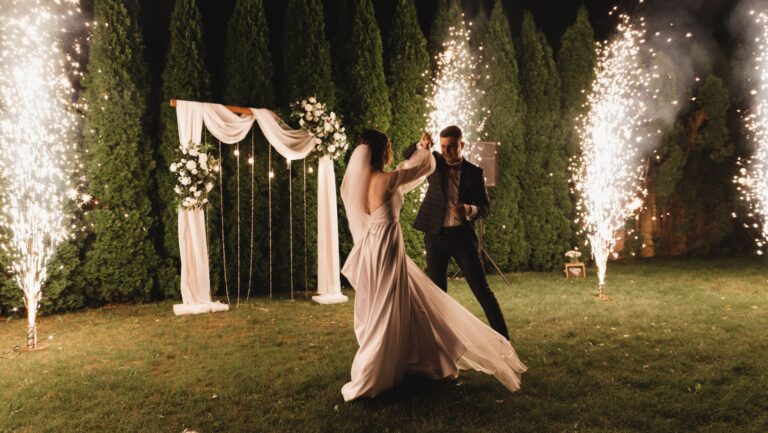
(249, 83)
(447, 15)
(122, 258)
(507, 240)
(363, 90)
(184, 77)
(575, 65)
(407, 67)
(306, 53)
(546, 225)
(307, 72)
(692, 176)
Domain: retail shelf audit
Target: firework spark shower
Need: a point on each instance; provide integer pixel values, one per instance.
(752, 181)
(608, 175)
(38, 128)
(455, 94)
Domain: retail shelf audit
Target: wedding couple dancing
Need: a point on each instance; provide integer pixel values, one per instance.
(405, 321)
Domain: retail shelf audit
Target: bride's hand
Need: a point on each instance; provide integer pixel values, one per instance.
(426, 140)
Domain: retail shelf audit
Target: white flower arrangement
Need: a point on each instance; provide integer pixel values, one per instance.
(573, 255)
(195, 171)
(330, 138)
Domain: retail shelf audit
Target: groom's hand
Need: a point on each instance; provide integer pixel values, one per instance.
(460, 211)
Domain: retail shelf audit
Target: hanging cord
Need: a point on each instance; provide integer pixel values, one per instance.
(252, 162)
(290, 220)
(269, 189)
(237, 161)
(306, 242)
(223, 241)
(206, 213)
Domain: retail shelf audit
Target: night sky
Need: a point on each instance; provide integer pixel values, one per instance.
(552, 16)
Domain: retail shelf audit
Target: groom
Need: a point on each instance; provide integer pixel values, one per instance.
(456, 197)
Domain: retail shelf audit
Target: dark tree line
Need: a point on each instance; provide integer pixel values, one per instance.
(534, 92)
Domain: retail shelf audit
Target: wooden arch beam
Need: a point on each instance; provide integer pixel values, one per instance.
(232, 108)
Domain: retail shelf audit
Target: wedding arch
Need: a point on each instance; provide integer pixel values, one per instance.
(231, 125)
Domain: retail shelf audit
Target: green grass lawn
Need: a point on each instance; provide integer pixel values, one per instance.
(683, 346)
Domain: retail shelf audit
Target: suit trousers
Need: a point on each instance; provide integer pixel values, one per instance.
(460, 243)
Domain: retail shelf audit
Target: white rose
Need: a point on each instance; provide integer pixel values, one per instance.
(318, 141)
(208, 186)
(309, 107)
(193, 151)
(319, 148)
(191, 165)
(174, 167)
(331, 148)
(185, 181)
(194, 171)
(177, 189)
(328, 127)
(198, 193)
(302, 122)
(309, 117)
(192, 188)
(203, 158)
(333, 115)
(205, 200)
(336, 136)
(312, 100)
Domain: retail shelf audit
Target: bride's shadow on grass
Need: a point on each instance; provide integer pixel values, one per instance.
(414, 388)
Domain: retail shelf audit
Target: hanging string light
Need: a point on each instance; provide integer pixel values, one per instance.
(237, 215)
(221, 212)
(252, 164)
(270, 175)
(290, 221)
(306, 243)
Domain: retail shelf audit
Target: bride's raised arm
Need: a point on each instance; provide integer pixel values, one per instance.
(410, 173)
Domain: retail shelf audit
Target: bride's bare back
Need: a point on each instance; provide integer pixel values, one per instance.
(380, 190)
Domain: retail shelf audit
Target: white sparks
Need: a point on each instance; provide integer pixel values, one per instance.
(752, 180)
(37, 143)
(608, 176)
(455, 94)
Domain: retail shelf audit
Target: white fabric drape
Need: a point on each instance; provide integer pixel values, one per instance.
(292, 144)
(328, 275)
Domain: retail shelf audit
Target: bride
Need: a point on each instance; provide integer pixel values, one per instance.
(404, 323)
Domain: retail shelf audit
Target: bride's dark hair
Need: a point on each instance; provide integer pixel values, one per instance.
(381, 152)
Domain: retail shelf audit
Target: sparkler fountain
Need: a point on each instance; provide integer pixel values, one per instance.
(454, 91)
(608, 175)
(38, 156)
(752, 182)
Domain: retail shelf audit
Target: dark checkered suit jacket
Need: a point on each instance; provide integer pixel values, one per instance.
(471, 191)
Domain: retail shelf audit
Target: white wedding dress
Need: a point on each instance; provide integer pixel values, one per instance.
(404, 323)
